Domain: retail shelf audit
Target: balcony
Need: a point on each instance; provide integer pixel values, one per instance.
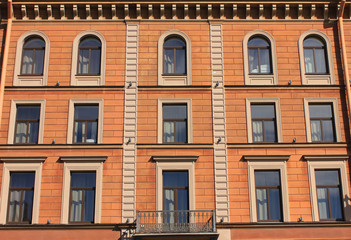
(182, 221)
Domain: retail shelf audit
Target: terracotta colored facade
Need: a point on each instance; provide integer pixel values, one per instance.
(219, 155)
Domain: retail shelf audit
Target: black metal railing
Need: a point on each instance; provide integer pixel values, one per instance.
(181, 221)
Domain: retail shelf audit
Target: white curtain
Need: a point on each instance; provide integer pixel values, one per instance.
(84, 61)
(316, 131)
(14, 208)
(27, 62)
(169, 205)
(21, 132)
(257, 131)
(262, 204)
(168, 131)
(76, 205)
(169, 63)
(79, 134)
(322, 203)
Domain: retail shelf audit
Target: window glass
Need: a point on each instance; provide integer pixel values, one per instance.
(174, 56)
(86, 123)
(176, 195)
(27, 124)
(20, 204)
(263, 123)
(175, 123)
(315, 56)
(33, 57)
(329, 195)
(268, 196)
(82, 207)
(322, 122)
(89, 59)
(259, 56)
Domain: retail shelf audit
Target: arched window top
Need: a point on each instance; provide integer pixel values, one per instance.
(34, 42)
(174, 41)
(313, 41)
(89, 42)
(258, 41)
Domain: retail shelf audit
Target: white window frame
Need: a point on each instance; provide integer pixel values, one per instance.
(21, 164)
(276, 102)
(328, 162)
(81, 164)
(174, 163)
(174, 80)
(160, 103)
(260, 79)
(86, 80)
(13, 116)
(24, 80)
(268, 163)
(70, 126)
(314, 79)
(334, 102)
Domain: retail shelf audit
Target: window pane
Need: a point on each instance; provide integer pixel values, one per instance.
(22, 180)
(27, 61)
(79, 133)
(181, 132)
(21, 132)
(312, 42)
(262, 204)
(180, 61)
(320, 111)
(34, 43)
(174, 111)
(83, 67)
(323, 206)
(14, 206)
(175, 179)
(168, 61)
(174, 42)
(169, 200)
(316, 131)
(86, 112)
(262, 111)
(76, 205)
(253, 61)
(95, 61)
(258, 42)
(33, 132)
(168, 131)
(270, 131)
(265, 61)
(39, 62)
(89, 206)
(320, 61)
(267, 178)
(335, 203)
(90, 42)
(327, 177)
(275, 204)
(328, 131)
(257, 131)
(92, 132)
(309, 62)
(83, 179)
(28, 112)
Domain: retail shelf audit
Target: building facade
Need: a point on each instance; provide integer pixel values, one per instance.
(166, 120)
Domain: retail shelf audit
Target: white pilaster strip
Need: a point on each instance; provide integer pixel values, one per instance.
(219, 126)
(130, 123)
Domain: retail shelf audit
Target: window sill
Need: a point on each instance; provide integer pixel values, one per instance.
(174, 80)
(87, 80)
(317, 79)
(29, 80)
(261, 79)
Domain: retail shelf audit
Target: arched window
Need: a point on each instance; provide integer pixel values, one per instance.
(174, 56)
(259, 55)
(315, 55)
(260, 61)
(89, 59)
(33, 56)
(316, 61)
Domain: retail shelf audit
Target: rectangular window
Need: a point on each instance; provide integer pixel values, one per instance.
(82, 200)
(329, 194)
(268, 195)
(86, 119)
(27, 124)
(176, 196)
(20, 203)
(263, 123)
(322, 122)
(175, 123)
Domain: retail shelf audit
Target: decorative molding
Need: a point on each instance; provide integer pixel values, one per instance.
(83, 159)
(266, 158)
(174, 158)
(22, 159)
(116, 10)
(326, 158)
